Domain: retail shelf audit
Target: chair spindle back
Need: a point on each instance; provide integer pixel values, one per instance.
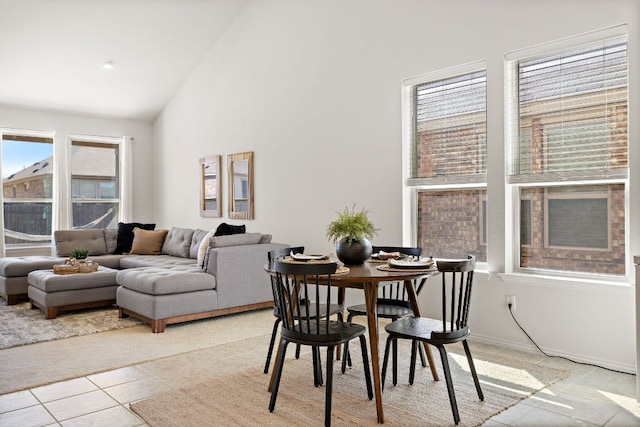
(296, 284)
(272, 256)
(396, 291)
(457, 283)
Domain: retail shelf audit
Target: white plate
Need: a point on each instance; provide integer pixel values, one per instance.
(401, 263)
(303, 257)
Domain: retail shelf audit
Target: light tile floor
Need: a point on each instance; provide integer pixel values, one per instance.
(590, 396)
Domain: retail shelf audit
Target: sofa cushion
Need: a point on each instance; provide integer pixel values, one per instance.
(147, 242)
(161, 281)
(266, 238)
(164, 261)
(196, 240)
(225, 229)
(235, 240)
(125, 235)
(111, 239)
(92, 239)
(178, 242)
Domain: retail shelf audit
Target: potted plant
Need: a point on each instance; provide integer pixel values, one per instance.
(351, 233)
(79, 253)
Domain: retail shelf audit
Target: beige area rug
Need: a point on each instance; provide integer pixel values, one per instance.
(241, 398)
(43, 363)
(20, 325)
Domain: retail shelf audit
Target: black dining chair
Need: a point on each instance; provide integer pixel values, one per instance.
(452, 327)
(306, 325)
(332, 309)
(392, 303)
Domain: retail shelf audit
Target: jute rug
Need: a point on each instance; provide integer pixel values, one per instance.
(20, 325)
(241, 399)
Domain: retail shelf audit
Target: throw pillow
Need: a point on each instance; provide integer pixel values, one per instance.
(125, 235)
(204, 245)
(225, 229)
(147, 242)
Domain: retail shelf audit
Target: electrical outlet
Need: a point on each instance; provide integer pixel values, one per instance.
(511, 300)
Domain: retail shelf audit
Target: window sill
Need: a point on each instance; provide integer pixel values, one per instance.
(583, 284)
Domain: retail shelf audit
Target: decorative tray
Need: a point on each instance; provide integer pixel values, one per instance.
(78, 267)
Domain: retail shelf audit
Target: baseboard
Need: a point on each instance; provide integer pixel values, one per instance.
(581, 358)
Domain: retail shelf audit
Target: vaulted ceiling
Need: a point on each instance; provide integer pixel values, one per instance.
(52, 52)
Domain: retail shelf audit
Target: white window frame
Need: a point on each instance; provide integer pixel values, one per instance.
(61, 200)
(512, 199)
(118, 141)
(411, 192)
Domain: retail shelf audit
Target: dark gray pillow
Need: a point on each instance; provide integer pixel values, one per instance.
(225, 229)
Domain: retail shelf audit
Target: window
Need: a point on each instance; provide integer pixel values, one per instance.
(27, 186)
(94, 184)
(446, 126)
(568, 163)
(55, 181)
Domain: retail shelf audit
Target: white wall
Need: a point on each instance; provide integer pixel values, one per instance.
(18, 118)
(313, 88)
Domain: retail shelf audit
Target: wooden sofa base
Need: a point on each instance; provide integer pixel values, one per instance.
(158, 325)
(52, 312)
(15, 299)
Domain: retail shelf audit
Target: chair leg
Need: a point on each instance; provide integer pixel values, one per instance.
(472, 367)
(365, 364)
(329, 387)
(423, 358)
(317, 367)
(297, 351)
(412, 365)
(271, 344)
(278, 373)
(385, 360)
(447, 377)
(345, 356)
(394, 362)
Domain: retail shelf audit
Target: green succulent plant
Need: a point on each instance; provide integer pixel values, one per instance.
(79, 253)
(351, 226)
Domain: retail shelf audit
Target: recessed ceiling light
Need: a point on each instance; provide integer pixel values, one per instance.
(108, 65)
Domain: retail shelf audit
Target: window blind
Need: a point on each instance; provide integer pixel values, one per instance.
(572, 115)
(449, 130)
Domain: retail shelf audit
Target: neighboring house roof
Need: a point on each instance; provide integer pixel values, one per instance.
(85, 161)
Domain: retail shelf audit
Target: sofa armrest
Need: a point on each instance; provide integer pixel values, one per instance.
(240, 275)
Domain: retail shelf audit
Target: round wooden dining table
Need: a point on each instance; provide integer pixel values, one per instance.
(369, 277)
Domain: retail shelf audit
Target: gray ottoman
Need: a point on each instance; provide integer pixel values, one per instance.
(163, 296)
(53, 293)
(14, 271)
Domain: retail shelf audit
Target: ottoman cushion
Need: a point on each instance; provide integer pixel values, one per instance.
(163, 281)
(21, 266)
(47, 281)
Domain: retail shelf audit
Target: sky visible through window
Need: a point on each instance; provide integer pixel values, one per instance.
(17, 155)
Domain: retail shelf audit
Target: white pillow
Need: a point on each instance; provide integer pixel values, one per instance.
(204, 245)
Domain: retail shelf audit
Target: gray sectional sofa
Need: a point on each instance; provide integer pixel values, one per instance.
(186, 280)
